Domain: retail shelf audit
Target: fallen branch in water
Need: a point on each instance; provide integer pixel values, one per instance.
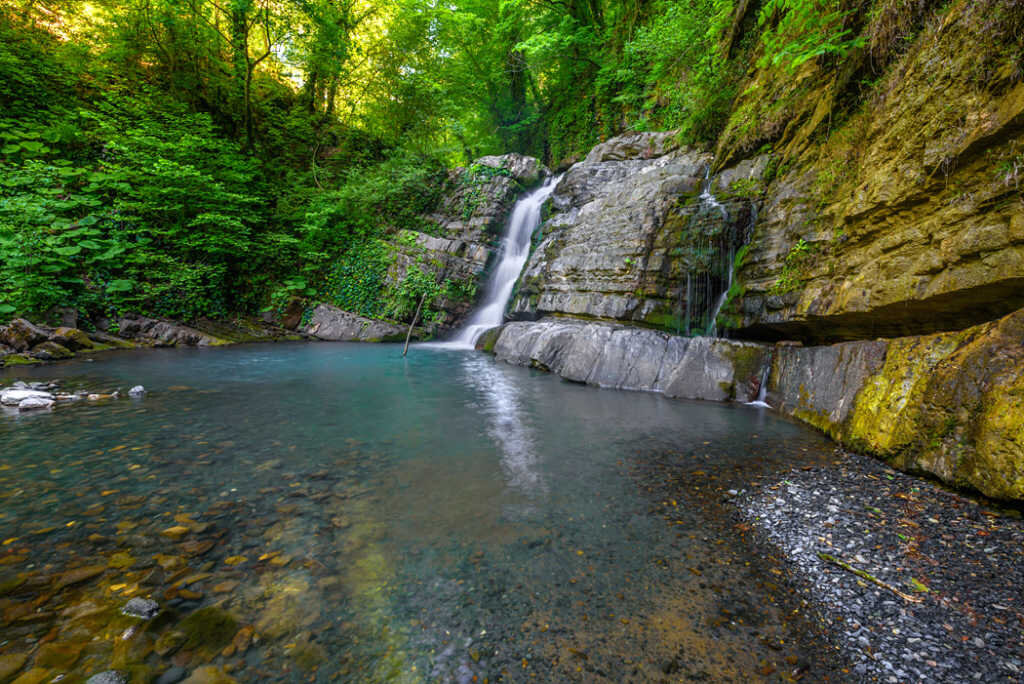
(871, 578)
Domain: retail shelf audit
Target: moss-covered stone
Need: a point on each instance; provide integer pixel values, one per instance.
(209, 629)
(488, 340)
(911, 203)
(949, 405)
(20, 360)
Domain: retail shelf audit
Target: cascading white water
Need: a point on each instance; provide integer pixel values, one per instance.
(515, 250)
(707, 198)
(762, 391)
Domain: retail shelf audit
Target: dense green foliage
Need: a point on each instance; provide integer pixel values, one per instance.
(191, 158)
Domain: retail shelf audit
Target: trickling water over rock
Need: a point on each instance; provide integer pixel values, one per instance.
(635, 234)
(624, 357)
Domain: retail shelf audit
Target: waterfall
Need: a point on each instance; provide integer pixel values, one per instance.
(762, 391)
(707, 198)
(515, 250)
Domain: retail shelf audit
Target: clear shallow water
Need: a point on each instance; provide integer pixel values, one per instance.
(372, 518)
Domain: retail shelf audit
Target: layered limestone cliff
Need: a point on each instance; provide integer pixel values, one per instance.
(633, 235)
(904, 216)
(883, 239)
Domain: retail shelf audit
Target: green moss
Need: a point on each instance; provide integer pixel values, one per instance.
(209, 629)
(488, 340)
(20, 360)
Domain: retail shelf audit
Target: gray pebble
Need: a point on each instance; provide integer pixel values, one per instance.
(141, 608)
(108, 677)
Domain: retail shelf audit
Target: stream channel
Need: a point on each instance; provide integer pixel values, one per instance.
(317, 512)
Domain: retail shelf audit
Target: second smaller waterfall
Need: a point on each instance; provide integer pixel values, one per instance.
(515, 250)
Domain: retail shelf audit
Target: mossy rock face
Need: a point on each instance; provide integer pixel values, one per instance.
(909, 205)
(487, 341)
(208, 629)
(949, 405)
(51, 351)
(20, 360)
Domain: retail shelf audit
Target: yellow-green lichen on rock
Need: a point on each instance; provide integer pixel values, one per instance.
(950, 404)
(909, 200)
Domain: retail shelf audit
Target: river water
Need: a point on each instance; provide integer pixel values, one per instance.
(369, 518)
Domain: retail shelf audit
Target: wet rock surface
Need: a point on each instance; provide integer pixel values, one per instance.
(624, 357)
(960, 561)
(905, 222)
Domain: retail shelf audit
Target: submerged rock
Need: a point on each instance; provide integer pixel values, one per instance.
(108, 677)
(208, 629)
(172, 676)
(10, 663)
(209, 674)
(141, 608)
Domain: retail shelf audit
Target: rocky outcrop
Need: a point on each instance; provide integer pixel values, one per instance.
(164, 333)
(21, 335)
(624, 357)
(908, 218)
(950, 404)
(632, 238)
(333, 324)
(458, 240)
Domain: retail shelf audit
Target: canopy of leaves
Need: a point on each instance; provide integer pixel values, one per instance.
(205, 157)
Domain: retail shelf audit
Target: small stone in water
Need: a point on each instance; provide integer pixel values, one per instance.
(176, 532)
(35, 404)
(14, 397)
(141, 608)
(172, 676)
(108, 677)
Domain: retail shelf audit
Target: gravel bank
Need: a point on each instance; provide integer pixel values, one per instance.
(958, 563)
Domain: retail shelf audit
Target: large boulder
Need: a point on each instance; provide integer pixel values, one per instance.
(164, 333)
(624, 357)
(22, 335)
(333, 324)
(634, 146)
(526, 170)
(51, 351)
(72, 338)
